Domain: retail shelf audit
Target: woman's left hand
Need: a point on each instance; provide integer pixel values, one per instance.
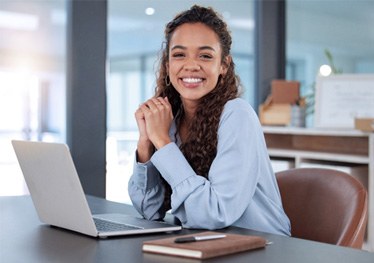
(158, 118)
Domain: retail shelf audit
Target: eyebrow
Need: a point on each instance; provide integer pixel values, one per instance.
(200, 48)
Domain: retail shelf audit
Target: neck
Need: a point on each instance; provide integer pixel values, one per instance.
(188, 117)
(189, 113)
(189, 110)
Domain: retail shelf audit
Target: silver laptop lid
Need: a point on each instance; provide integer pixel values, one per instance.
(54, 185)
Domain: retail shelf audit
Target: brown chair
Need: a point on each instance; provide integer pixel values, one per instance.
(324, 205)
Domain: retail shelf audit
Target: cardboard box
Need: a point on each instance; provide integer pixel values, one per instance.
(275, 114)
(364, 124)
(283, 91)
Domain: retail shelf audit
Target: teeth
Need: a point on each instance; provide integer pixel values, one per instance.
(192, 80)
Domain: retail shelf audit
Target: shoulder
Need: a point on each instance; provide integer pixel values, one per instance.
(239, 123)
(238, 108)
(239, 113)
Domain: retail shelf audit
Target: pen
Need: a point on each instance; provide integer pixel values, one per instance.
(197, 238)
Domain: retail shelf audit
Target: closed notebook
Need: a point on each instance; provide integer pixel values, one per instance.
(232, 243)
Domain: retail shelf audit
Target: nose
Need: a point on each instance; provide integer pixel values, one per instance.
(192, 65)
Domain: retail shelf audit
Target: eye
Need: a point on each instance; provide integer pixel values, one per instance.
(206, 56)
(178, 55)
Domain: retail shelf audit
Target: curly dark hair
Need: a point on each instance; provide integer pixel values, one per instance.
(200, 148)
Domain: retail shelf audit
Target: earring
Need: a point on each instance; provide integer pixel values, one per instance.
(167, 80)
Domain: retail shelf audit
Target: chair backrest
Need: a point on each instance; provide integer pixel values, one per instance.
(324, 205)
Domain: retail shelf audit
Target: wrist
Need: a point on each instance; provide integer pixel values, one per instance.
(161, 143)
(144, 151)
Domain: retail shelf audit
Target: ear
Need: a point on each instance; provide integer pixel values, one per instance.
(225, 64)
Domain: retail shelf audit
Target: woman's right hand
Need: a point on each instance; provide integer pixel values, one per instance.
(145, 147)
(140, 121)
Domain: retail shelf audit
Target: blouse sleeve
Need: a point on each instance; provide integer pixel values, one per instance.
(147, 191)
(233, 175)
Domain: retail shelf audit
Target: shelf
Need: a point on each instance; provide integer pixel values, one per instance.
(326, 146)
(284, 153)
(314, 131)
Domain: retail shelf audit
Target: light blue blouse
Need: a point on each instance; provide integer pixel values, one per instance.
(241, 191)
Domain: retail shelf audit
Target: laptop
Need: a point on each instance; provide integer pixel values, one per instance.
(58, 196)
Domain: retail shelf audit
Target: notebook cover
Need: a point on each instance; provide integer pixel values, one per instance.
(230, 244)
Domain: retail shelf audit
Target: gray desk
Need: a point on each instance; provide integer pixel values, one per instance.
(24, 239)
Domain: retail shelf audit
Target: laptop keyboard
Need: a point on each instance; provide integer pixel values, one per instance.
(108, 226)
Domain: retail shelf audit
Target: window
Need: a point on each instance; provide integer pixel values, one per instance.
(342, 28)
(32, 81)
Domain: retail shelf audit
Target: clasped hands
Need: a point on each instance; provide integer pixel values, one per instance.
(154, 118)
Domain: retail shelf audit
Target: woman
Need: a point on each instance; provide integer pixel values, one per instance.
(201, 150)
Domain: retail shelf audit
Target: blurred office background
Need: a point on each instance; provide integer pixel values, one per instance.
(33, 66)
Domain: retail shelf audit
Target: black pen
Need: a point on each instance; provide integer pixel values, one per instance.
(197, 238)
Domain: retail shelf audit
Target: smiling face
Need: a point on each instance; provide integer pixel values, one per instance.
(194, 61)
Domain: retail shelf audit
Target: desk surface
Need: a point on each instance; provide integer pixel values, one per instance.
(24, 239)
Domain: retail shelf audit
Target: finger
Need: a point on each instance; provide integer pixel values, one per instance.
(164, 102)
(145, 108)
(158, 102)
(151, 104)
(139, 113)
(149, 109)
(167, 102)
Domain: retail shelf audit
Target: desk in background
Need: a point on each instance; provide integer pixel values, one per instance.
(24, 239)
